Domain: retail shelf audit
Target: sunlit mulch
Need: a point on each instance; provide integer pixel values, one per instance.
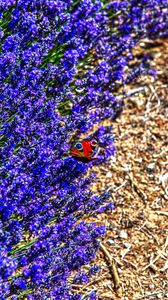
(134, 253)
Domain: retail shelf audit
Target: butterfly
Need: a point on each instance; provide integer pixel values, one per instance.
(84, 150)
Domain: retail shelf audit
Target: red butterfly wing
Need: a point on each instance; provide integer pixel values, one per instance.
(87, 150)
(84, 151)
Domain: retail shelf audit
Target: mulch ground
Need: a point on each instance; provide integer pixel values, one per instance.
(134, 253)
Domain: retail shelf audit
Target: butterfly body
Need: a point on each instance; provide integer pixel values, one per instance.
(84, 150)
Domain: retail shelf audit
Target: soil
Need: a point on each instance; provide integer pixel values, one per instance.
(134, 253)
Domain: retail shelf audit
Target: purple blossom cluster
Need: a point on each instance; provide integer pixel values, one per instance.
(61, 65)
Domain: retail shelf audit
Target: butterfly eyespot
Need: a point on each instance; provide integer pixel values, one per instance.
(78, 146)
(93, 144)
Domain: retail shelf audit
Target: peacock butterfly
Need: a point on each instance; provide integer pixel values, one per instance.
(84, 150)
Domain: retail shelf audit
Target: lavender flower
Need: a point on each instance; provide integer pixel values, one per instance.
(61, 65)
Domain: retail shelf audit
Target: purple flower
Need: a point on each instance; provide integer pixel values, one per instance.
(62, 64)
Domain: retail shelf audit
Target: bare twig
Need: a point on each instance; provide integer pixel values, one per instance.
(86, 296)
(147, 296)
(112, 266)
(119, 187)
(92, 282)
(136, 188)
(159, 212)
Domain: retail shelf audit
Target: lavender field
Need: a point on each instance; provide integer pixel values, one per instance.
(65, 69)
